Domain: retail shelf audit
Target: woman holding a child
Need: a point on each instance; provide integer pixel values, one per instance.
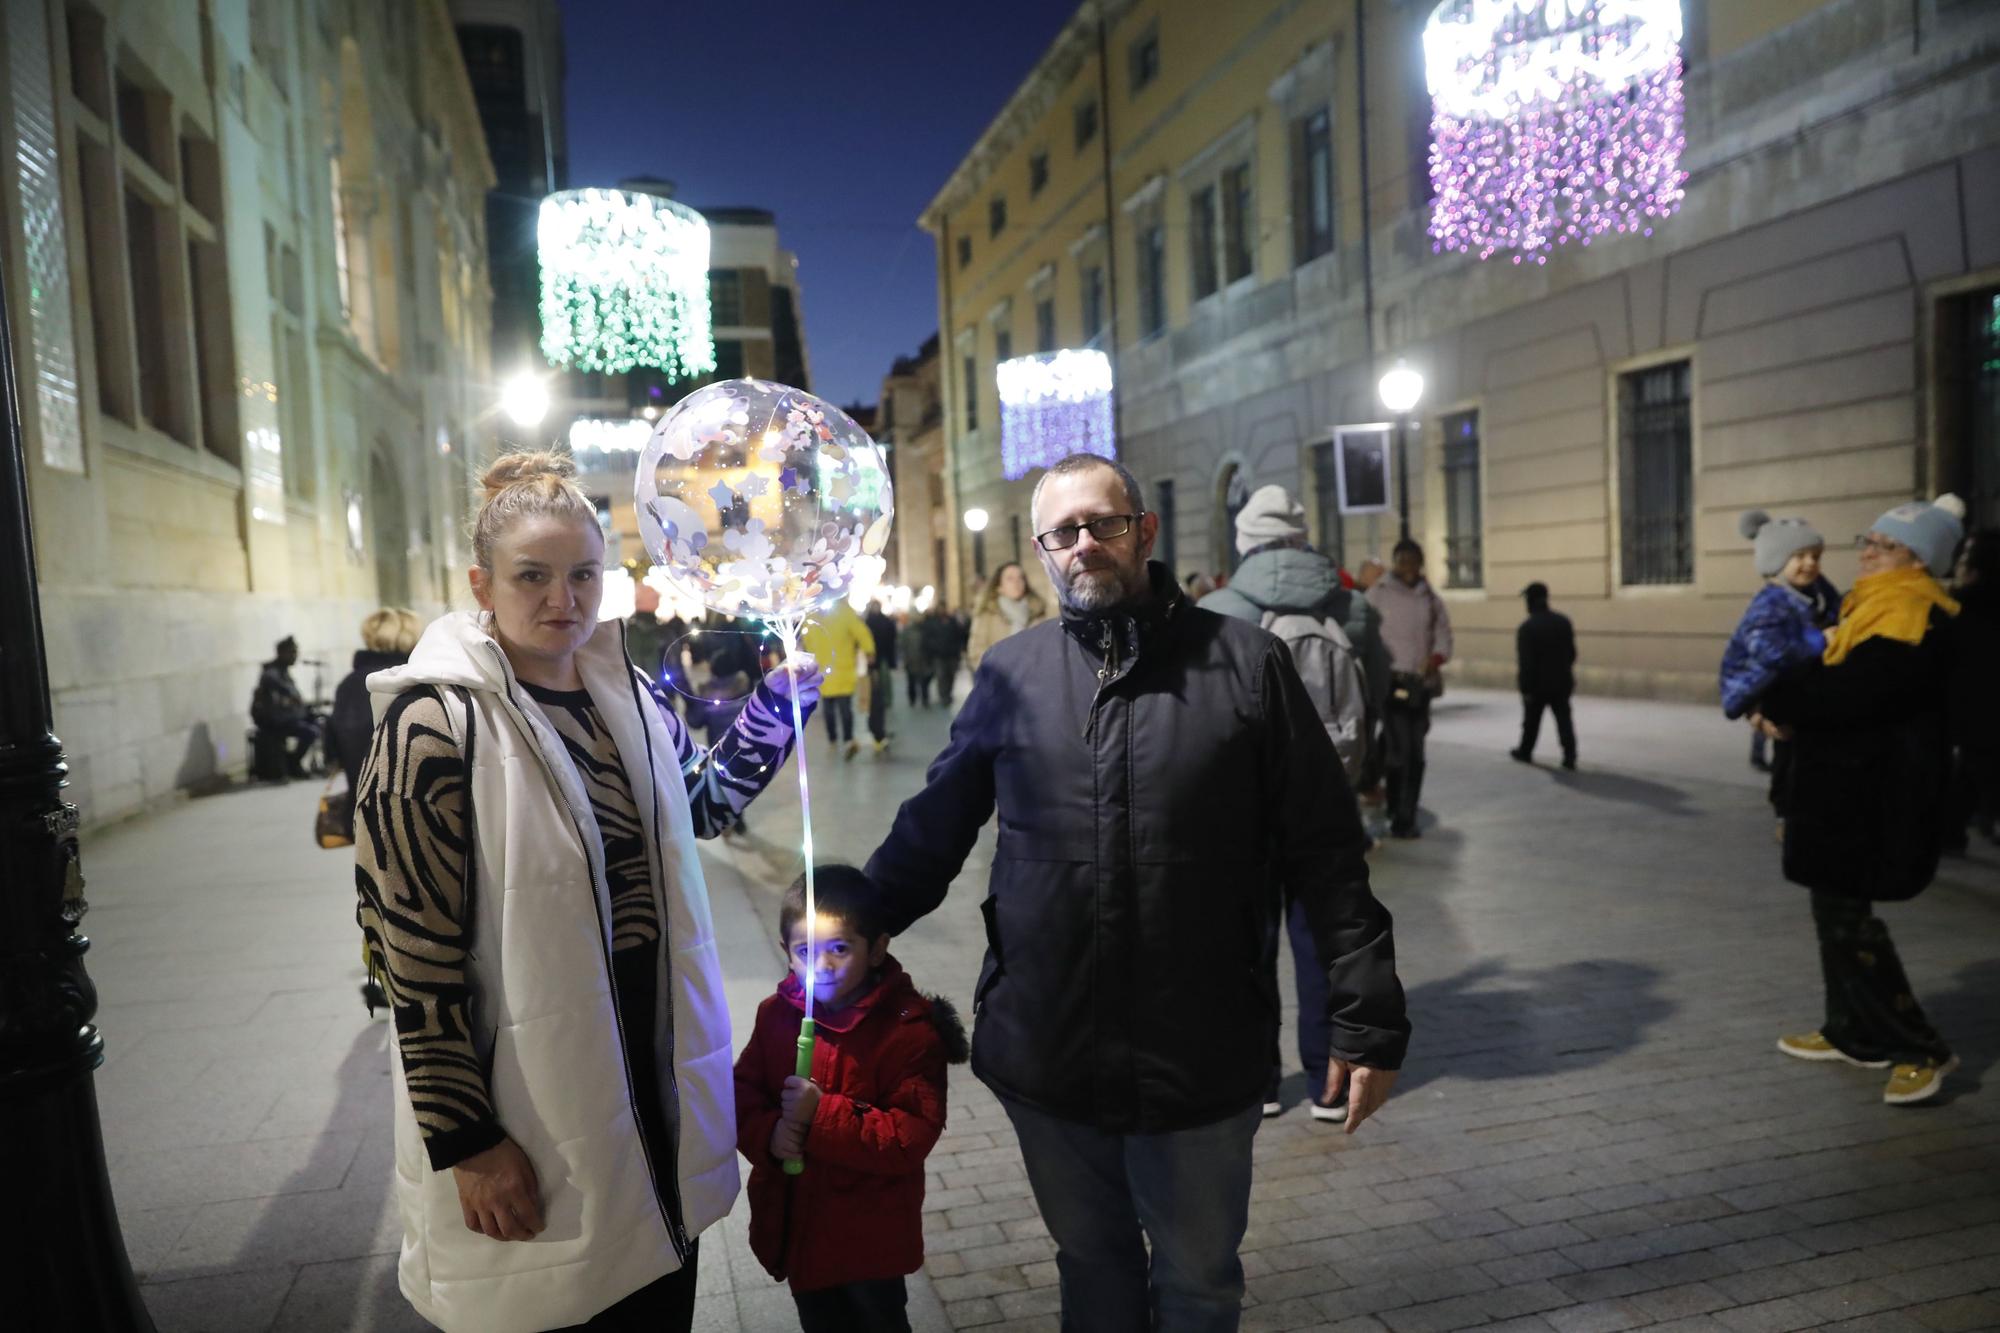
(531, 899)
(1869, 718)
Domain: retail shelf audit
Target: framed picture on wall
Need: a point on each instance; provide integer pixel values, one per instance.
(1362, 454)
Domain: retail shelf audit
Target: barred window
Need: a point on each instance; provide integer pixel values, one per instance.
(1152, 281)
(1332, 536)
(1464, 543)
(1201, 240)
(1656, 476)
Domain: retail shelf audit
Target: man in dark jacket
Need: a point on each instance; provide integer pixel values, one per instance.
(881, 672)
(1162, 783)
(1545, 655)
(279, 710)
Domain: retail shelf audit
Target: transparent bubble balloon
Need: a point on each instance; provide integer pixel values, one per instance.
(761, 500)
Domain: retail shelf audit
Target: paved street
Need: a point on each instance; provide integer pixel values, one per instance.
(1593, 1131)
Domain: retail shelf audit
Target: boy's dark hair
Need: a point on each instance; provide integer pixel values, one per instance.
(1407, 544)
(839, 891)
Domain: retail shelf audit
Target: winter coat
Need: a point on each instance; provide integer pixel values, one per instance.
(990, 623)
(1163, 786)
(1544, 655)
(1298, 579)
(839, 639)
(1975, 703)
(883, 627)
(1297, 595)
(1780, 629)
(1415, 626)
(276, 701)
(1870, 759)
(856, 1213)
(352, 723)
(944, 640)
(546, 1013)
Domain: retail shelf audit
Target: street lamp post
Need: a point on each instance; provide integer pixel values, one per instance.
(1401, 388)
(62, 1258)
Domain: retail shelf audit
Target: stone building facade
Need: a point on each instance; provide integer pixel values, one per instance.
(1815, 331)
(247, 273)
(909, 423)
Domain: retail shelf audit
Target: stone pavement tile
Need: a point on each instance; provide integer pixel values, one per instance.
(1764, 1252)
(1778, 1316)
(1888, 1321)
(1294, 1283)
(1361, 1323)
(1523, 1299)
(1850, 1301)
(150, 1236)
(244, 1302)
(1959, 1312)
(1944, 1280)
(1599, 1284)
(1035, 1301)
(1004, 1210)
(942, 1239)
(1532, 1267)
(1437, 1316)
(1762, 1284)
(974, 1313)
(1284, 1315)
(213, 1173)
(1025, 1228)
(1008, 1253)
(292, 1229)
(1547, 1236)
(1597, 1317)
(1680, 1302)
(348, 1294)
(1374, 1298)
(984, 1282)
(1525, 1324)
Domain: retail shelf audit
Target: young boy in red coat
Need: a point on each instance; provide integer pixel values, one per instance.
(849, 1228)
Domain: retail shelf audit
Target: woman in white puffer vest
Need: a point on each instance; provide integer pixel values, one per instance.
(532, 902)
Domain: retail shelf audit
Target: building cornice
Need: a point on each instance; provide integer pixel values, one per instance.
(1076, 43)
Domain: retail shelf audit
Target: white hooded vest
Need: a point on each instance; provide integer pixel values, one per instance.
(544, 1014)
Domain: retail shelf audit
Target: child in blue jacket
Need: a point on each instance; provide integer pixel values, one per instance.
(1786, 621)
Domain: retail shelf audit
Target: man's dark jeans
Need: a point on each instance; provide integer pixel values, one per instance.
(838, 709)
(881, 686)
(1531, 723)
(881, 1306)
(1315, 1033)
(1871, 1013)
(1404, 726)
(1104, 1196)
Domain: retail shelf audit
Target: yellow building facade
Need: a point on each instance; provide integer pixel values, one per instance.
(1232, 201)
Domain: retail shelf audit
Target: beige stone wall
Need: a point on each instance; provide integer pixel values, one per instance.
(171, 560)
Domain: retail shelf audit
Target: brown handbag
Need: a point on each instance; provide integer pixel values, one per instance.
(333, 826)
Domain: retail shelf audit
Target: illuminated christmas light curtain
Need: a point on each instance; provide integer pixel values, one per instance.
(1053, 404)
(624, 284)
(1553, 122)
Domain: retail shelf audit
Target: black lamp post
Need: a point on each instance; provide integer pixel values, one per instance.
(62, 1259)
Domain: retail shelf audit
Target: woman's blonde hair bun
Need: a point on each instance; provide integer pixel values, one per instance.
(520, 485)
(519, 469)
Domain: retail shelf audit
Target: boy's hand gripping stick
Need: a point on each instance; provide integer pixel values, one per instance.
(804, 1070)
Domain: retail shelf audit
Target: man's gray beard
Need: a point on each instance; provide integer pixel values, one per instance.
(1095, 595)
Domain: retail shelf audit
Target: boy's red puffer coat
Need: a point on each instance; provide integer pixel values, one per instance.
(855, 1215)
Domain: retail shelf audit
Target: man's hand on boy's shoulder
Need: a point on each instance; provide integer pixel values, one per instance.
(799, 1100)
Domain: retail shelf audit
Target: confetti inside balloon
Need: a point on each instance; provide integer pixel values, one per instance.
(761, 500)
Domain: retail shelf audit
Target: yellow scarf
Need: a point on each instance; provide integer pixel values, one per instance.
(1895, 604)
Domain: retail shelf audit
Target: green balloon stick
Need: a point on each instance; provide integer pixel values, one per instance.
(804, 1069)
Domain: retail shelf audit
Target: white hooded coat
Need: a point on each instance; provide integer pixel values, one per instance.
(544, 1014)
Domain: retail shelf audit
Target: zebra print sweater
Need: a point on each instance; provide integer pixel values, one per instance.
(411, 841)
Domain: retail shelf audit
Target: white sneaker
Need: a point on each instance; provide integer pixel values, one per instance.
(1334, 1113)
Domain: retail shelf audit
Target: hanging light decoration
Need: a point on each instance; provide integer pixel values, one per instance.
(1553, 122)
(1053, 404)
(624, 283)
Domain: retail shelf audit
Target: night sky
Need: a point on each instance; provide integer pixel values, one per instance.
(844, 117)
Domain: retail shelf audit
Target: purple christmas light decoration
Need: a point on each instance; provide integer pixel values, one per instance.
(1053, 404)
(1553, 121)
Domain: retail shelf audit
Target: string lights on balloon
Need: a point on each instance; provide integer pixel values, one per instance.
(624, 284)
(1053, 404)
(1553, 122)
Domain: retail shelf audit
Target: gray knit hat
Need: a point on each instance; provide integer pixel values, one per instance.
(1777, 539)
(1269, 515)
(1933, 530)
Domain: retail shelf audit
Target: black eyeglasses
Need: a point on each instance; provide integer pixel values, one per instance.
(1103, 529)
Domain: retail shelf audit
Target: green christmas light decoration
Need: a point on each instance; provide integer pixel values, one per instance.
(624, 284)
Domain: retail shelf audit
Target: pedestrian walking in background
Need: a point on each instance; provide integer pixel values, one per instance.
(1197, 585)
(279, 711)
(1784, 625)
(532, 901)
(881, 673)
(839, 640)
(1006, 606)
(1297, 594)
(944, 643)
(1545, 662)
(646, 637)
(1163, 783)
(1975, 798)
(846, 1231)
(387, 636)
(1869, 722)
(912, 644)
(1417, 630)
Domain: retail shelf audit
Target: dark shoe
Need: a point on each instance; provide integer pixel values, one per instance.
(373, 996)
(1569, 762)
(1521, 756)
(1407, 832)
